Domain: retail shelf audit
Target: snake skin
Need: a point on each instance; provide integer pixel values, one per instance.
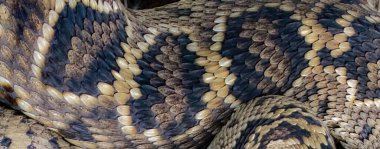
(146, 4)
(18, 132)
(253, 73)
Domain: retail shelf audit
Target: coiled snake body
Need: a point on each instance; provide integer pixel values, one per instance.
(295, 74)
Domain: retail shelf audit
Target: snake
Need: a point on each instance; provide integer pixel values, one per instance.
(190, 74)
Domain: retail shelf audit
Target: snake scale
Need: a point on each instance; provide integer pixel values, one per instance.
(190, 74)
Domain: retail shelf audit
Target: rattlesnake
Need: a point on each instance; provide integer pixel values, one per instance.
(293, 73)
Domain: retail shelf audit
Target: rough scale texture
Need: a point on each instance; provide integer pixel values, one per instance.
(18, 132)
(103, 76)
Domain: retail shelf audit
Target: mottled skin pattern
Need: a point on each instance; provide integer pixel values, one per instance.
(17, 131)
(273, 122)
(296, 74)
